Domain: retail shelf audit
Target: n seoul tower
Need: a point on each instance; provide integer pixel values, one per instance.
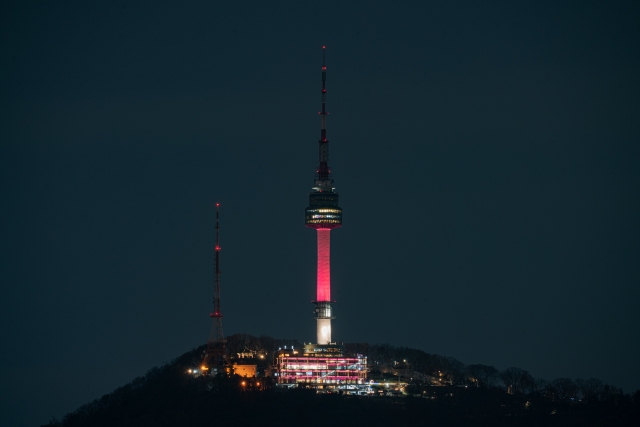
(323, 214)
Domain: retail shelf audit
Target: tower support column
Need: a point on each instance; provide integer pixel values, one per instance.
(323, 288)
(323, 332)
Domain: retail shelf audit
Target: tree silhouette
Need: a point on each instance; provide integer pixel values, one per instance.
(485, 375)
(517, 380)
(590, 389)
(565, 388)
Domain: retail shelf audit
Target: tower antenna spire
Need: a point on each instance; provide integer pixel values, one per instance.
(323, 169)
(216, 353)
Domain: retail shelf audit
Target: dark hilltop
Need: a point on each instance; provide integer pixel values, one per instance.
(439, 391)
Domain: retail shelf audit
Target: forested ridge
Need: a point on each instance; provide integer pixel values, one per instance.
(441, 391)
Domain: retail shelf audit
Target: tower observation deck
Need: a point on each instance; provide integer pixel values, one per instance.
(323, 214)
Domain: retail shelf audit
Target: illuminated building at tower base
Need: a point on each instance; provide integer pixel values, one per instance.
(321, 366)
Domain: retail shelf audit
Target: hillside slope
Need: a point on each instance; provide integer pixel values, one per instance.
(168, 396)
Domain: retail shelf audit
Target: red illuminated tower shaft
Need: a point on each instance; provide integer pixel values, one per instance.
(323, 214)
(323, 288)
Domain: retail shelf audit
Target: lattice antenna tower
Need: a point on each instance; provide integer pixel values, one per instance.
(216, 353)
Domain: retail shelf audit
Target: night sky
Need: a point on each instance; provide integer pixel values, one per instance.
(486, 157)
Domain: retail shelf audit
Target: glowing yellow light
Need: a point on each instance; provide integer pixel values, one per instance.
(243, 383)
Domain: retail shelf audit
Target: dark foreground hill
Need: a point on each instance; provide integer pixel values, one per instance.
(168, 396)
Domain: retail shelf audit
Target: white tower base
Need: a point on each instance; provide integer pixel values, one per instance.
(324, 331)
